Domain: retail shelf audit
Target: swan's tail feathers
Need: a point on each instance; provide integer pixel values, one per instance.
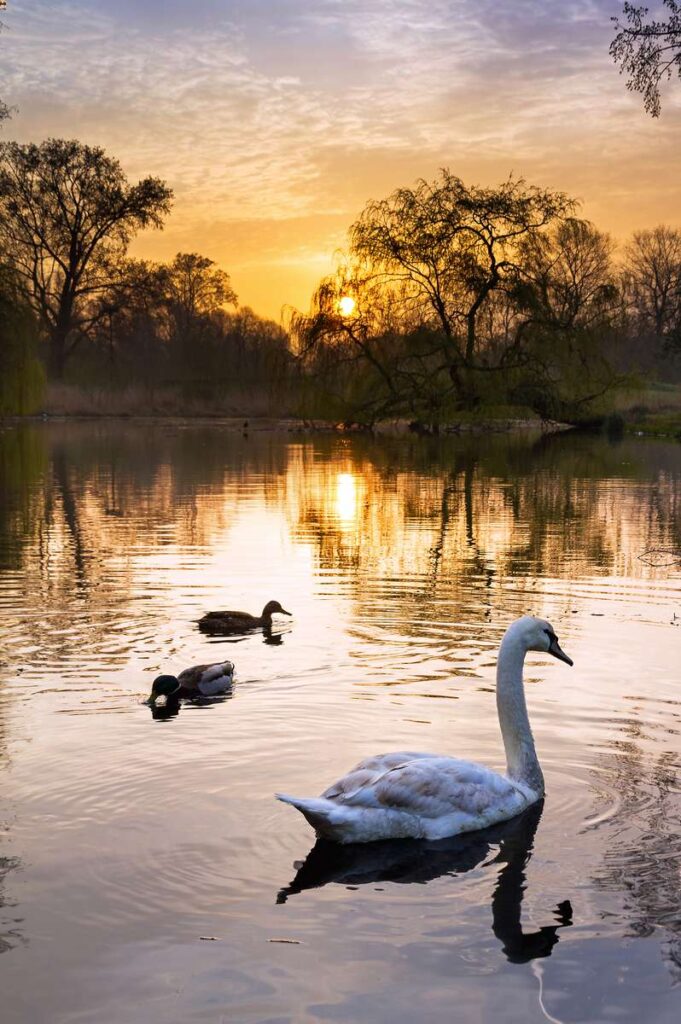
(325, 816)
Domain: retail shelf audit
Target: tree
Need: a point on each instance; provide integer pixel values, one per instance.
(21, 372)
(572, 306)
(653, 282)
(648, 51)
(568, 279)
(67, 215)
(195, 289)
(427, 270)
(351, 347)
(448, 247)
(453, 297)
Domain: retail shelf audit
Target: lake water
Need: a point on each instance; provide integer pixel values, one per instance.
(146, 871)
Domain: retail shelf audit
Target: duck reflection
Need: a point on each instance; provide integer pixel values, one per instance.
(275, 637)
(405, 861)
(163, 710)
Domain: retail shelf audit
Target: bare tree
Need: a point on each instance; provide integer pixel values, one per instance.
(653, 282)
(648, 50)
(568, 278)
(67, 215)
(195, 288)
(570, 294)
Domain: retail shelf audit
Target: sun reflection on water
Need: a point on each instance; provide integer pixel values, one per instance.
(346, 503)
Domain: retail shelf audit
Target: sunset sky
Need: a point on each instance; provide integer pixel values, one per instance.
(275, 120)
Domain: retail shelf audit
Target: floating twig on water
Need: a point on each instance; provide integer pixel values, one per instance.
(660, 557)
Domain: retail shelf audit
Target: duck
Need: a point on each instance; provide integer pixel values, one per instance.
(240, 622)
(408, 795)
(198, 681)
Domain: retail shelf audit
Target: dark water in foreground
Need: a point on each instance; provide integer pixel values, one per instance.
(124, 839)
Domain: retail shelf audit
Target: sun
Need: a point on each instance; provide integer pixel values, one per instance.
(346, 305)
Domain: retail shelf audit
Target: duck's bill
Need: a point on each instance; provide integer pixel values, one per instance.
(556, 651)
(151, 700)
(284, 612)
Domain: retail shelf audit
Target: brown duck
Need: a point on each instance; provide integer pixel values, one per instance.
(240, 622)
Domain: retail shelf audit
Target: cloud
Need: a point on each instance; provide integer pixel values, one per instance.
(296, 111)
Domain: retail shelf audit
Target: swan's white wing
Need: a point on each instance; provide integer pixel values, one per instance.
(422, 796)
(425, 785)
(368, 771)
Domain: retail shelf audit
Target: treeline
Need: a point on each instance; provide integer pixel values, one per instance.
(177, 326)
(75, 308)
(449, 299)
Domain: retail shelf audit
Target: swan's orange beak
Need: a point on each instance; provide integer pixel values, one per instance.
(555, 650)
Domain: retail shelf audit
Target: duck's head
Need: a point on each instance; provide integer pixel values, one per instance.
(539, 635)
(273, 608)
(163, 686)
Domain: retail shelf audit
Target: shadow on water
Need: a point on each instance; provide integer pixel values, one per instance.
(406, 861)
(271, 637)
(170, 707)
(645, 862)
(9, 936)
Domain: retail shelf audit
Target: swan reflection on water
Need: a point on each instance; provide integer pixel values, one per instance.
(405, 861)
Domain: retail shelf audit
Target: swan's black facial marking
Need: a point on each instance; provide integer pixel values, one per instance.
(555, 649)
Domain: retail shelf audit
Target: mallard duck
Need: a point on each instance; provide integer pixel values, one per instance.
(425, 796)
(198, 681)
(240, 622)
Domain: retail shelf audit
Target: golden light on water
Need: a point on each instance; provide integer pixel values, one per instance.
(345, 505)
(346, 305)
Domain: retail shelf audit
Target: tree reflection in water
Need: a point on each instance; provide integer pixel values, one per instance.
(643, 863)
(9, 935)
(405, 861)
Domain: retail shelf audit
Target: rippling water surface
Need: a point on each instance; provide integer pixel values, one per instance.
(146, 873)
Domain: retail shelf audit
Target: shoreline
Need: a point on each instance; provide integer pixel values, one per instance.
(302, 425)
(292, 424)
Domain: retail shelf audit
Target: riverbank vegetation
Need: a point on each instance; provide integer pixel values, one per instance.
(451, 302)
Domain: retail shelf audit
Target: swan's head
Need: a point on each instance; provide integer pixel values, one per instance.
(539, 635)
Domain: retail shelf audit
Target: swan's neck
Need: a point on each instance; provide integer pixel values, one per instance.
(521, 757)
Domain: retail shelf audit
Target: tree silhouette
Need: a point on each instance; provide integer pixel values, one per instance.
(67, 215)
(648, 51)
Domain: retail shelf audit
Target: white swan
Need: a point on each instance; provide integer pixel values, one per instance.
(426, 796)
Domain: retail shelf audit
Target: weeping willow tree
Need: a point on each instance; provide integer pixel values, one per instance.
(22, 377)
(367, 354)
(454, 299)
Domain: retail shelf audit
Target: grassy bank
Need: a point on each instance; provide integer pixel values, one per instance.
(654, 410)
(139, 400)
